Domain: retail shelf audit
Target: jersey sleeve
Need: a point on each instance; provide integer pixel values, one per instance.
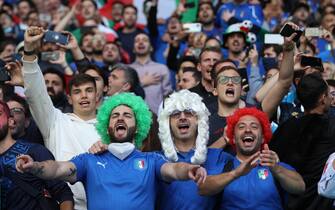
(159, 161)
(287, 166)
(326, 185)
(80, 162)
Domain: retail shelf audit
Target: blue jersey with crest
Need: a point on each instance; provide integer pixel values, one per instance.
(256, 190)
(183, 195)
(111, 183)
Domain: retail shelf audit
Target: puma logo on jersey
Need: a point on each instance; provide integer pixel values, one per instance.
(102, 164)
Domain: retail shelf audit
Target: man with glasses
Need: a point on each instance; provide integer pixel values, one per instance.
(13, 194)
(228, 88)
(23, 126)
(183, 132)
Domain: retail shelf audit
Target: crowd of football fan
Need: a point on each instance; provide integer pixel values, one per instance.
(223, 105)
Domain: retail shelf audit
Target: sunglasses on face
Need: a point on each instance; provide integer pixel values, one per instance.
(225, 79)
(176, 114)
(16, 111)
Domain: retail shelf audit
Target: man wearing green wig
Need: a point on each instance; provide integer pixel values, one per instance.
(123, 178)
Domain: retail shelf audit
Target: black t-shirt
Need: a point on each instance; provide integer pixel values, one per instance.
(306, 143)
(12, 196)
(208, 97)
(217, 124)
(216, 127)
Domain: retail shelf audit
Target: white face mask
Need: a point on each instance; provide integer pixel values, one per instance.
(121, 150)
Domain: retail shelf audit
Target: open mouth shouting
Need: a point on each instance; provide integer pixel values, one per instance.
(230, 92)
(183, 128)
(141, 47)
(248, 140)
(120, 129)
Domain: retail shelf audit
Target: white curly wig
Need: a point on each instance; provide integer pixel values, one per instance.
(182, 100)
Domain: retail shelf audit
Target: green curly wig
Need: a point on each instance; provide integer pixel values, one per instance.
(141, 110)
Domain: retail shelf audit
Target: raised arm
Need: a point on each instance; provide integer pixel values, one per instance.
(282, 86)
(49, 170)
(266, 87)
(152, 19)
(183, 171)
(255, 78)
(38, 99)
(216, 183)
(62, 24)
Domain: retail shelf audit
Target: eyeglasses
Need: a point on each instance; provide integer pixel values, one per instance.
(16, 111)
(188, 113)
(225, 79)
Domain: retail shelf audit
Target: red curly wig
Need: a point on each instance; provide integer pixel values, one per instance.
(261, 116)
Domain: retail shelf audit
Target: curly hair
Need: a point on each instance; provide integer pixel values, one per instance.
(182, 100)
(141, 110)
(261, 116)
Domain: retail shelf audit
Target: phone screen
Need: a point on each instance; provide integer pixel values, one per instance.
(56, 37)
(192, 27)
(287, 31)
(273, 39)
(244, 76)
(312, 62)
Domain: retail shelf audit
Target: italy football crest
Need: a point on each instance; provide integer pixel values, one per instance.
(263, 173)
(140, 164)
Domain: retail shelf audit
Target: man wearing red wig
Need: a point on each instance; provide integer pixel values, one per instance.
(258, 176)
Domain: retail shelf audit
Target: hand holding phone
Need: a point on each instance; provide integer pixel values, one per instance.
(312, 62)
(288, 30)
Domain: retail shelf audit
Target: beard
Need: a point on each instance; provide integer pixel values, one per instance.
(128, 138)
(55, 98)
(3, 132)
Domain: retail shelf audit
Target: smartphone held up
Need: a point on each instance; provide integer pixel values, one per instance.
(56, 37)
(288, 30)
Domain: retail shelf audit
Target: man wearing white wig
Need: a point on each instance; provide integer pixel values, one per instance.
(183, 131)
